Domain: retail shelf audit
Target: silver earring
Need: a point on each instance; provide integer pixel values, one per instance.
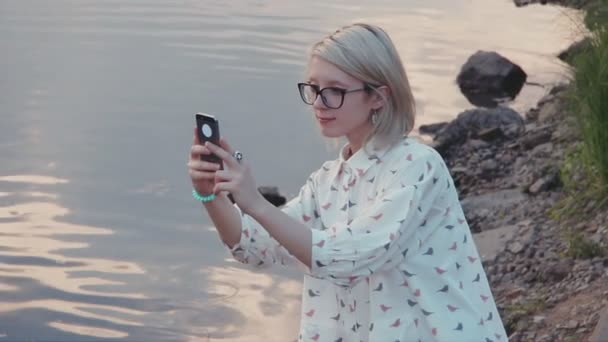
(375, 117)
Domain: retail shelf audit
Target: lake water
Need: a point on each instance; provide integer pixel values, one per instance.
(99, 237)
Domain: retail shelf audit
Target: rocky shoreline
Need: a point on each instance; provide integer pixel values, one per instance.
(510, 184)
(508, 177)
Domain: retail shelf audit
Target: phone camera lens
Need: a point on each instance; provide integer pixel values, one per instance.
(207, 131)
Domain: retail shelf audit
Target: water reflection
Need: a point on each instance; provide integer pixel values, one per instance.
(49, 290)
(38, 277)
(85, 330)
(263, 302)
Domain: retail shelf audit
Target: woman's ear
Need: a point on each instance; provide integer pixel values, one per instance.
(379, 101)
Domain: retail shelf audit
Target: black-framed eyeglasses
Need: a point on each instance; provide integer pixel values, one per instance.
(332, 97)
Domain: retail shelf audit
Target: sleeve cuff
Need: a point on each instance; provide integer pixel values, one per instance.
(239, 250)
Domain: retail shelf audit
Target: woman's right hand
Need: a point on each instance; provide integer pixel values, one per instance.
(202, 173)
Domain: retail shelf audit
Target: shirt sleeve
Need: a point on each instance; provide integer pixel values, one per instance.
(257, 248)
(394, 225)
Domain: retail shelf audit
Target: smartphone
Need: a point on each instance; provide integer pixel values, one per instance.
(208, 129)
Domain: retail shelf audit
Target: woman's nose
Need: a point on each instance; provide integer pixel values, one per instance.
(318, 103)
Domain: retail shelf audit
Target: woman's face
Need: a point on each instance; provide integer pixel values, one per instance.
(352, 118)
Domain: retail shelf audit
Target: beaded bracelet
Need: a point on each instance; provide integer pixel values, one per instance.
(203, 199)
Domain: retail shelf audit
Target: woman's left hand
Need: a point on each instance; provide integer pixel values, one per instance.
(235, 178)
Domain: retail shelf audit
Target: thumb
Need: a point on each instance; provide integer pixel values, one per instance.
(196, 140)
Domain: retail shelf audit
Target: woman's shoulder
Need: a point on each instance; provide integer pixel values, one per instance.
(411, 150)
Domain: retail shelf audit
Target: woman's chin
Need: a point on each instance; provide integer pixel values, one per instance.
(328, 133)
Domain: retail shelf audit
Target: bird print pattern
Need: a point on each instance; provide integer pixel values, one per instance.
(393, 258)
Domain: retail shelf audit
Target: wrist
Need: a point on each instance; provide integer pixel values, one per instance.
(218, 201)
(202, 198)
(259, 208)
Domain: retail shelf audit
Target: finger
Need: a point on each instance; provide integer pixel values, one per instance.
(224, 144)
(201, 165)
(197, 150)
(220, 187)
(222, 154)
(201, 175)
(223, 176)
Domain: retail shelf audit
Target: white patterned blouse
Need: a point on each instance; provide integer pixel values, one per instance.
(393, 258)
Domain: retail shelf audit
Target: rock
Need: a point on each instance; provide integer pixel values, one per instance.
(486, 77)
(549, 111)
(559, 88)
(490, 134)
(459, 169)
(489, 165)
(469, 123)
(530, 126)
(545, 183)
(475, 144)
(531, 252)
(573, 50)
(515, 247)
(600, 333)
(555, 272)
(542, 150)
(582, 288)
(513, 130)
(485, 211)
(570, 3)
(565, 132)
(432, 129)
(490, 243)
(520, 3)
(572, 324)
(271, 193)
(536, 137)
(506, 159)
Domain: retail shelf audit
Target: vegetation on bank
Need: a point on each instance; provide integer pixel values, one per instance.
(584, 172)
(596, 14)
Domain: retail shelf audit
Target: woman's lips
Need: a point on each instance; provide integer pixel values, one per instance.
(325, 120)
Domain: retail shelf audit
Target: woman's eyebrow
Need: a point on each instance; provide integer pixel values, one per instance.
(328, 83)
(334, 83)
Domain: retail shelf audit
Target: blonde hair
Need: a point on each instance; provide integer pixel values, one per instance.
(367, 53)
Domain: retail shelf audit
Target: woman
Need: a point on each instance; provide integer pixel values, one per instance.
(387, 253)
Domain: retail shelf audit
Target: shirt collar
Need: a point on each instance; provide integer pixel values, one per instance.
(361, 161)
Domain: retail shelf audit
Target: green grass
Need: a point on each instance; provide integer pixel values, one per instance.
(596, 14)
(513, 313)
(582, 198)
(589, 102)
(579, 247)
(582, 187)
(584, 172)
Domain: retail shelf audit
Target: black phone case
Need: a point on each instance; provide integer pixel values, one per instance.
(209, 124)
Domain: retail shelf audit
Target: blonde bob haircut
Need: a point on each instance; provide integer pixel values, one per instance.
(367, 53)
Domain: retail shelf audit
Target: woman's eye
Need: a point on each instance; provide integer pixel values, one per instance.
(334, 91)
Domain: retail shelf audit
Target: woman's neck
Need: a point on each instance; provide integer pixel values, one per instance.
(351, 150)
(356, 139)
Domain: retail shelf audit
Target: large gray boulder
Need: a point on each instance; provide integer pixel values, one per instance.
(473, 123)
(488, 78)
